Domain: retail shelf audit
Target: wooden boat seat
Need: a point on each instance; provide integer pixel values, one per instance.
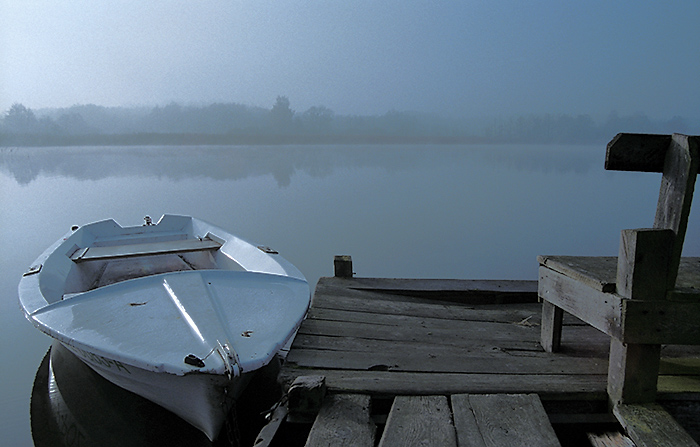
(648, 295)
(143, 249)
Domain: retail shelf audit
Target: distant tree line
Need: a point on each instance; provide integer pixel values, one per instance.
(231, 123)
(561, 129)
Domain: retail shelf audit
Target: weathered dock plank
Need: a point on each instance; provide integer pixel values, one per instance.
(419, 420)
(362, 340)
(389, 383)
(466, 425)
(343, 421)
(649, 425)
(465, 292)
(609, 439)
(365, 341)
(503, 419)
(441, 360)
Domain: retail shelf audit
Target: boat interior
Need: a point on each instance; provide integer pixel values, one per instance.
(106, 262)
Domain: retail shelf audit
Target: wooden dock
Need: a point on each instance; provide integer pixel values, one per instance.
(482, 363)
(450, 362)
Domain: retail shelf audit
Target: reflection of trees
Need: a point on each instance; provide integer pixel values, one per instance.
(281, 162)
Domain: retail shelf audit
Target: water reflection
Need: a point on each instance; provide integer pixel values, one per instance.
(282, 162)
(71, 405)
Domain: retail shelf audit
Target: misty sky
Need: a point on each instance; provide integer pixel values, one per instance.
(365, 57)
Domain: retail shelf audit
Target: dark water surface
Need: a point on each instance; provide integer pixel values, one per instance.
(472, 212)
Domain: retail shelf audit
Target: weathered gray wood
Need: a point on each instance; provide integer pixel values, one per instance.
(513, 420)
(468, 432)
(359, 311)
(402, 316)
(676, 195)
(444, 361)
(685, 412)
(633, 372)
(648, 265)
(597, 272)
(650, 425)
(367, 326)
(267, 433)
(409, 286)
(305, 395)
(344, 420)
(419, 420)
(343, 266)
(446, 333)
(688, 281)
(643, 263)
(599, 309)
(661, 322)
(552, 320)
(336, 298)
(637, 152)
(600, 272)
(609, 439)
(416, 383)
(642, 272)
(351, 343)
(450, 290)
(582, 341)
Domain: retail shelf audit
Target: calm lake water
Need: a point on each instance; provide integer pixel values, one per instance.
(414, 211)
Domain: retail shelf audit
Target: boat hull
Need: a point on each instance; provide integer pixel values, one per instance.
(203, 400)
(181, 313)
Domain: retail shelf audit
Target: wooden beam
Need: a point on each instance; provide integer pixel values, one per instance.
(508, 419)
(599, 309)
(419, 420)
(676, 195)
(637, 152)
(305, 395)
(661, 322)
(598, 272)
(143, 249)
(649, 425)
(460, 291)
(344, 421)
(609, 439)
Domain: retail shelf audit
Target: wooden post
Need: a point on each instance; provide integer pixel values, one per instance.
(305, 396)
(633, 372)
(643, 262)
(550, 335)
(343, 266)
(676, 195)
(642, 267)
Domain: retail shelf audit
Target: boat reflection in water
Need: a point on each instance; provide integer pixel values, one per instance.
(72, 405)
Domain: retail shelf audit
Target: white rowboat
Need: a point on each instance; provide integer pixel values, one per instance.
(180, 312)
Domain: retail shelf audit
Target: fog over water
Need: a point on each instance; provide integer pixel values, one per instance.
(468, 58)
